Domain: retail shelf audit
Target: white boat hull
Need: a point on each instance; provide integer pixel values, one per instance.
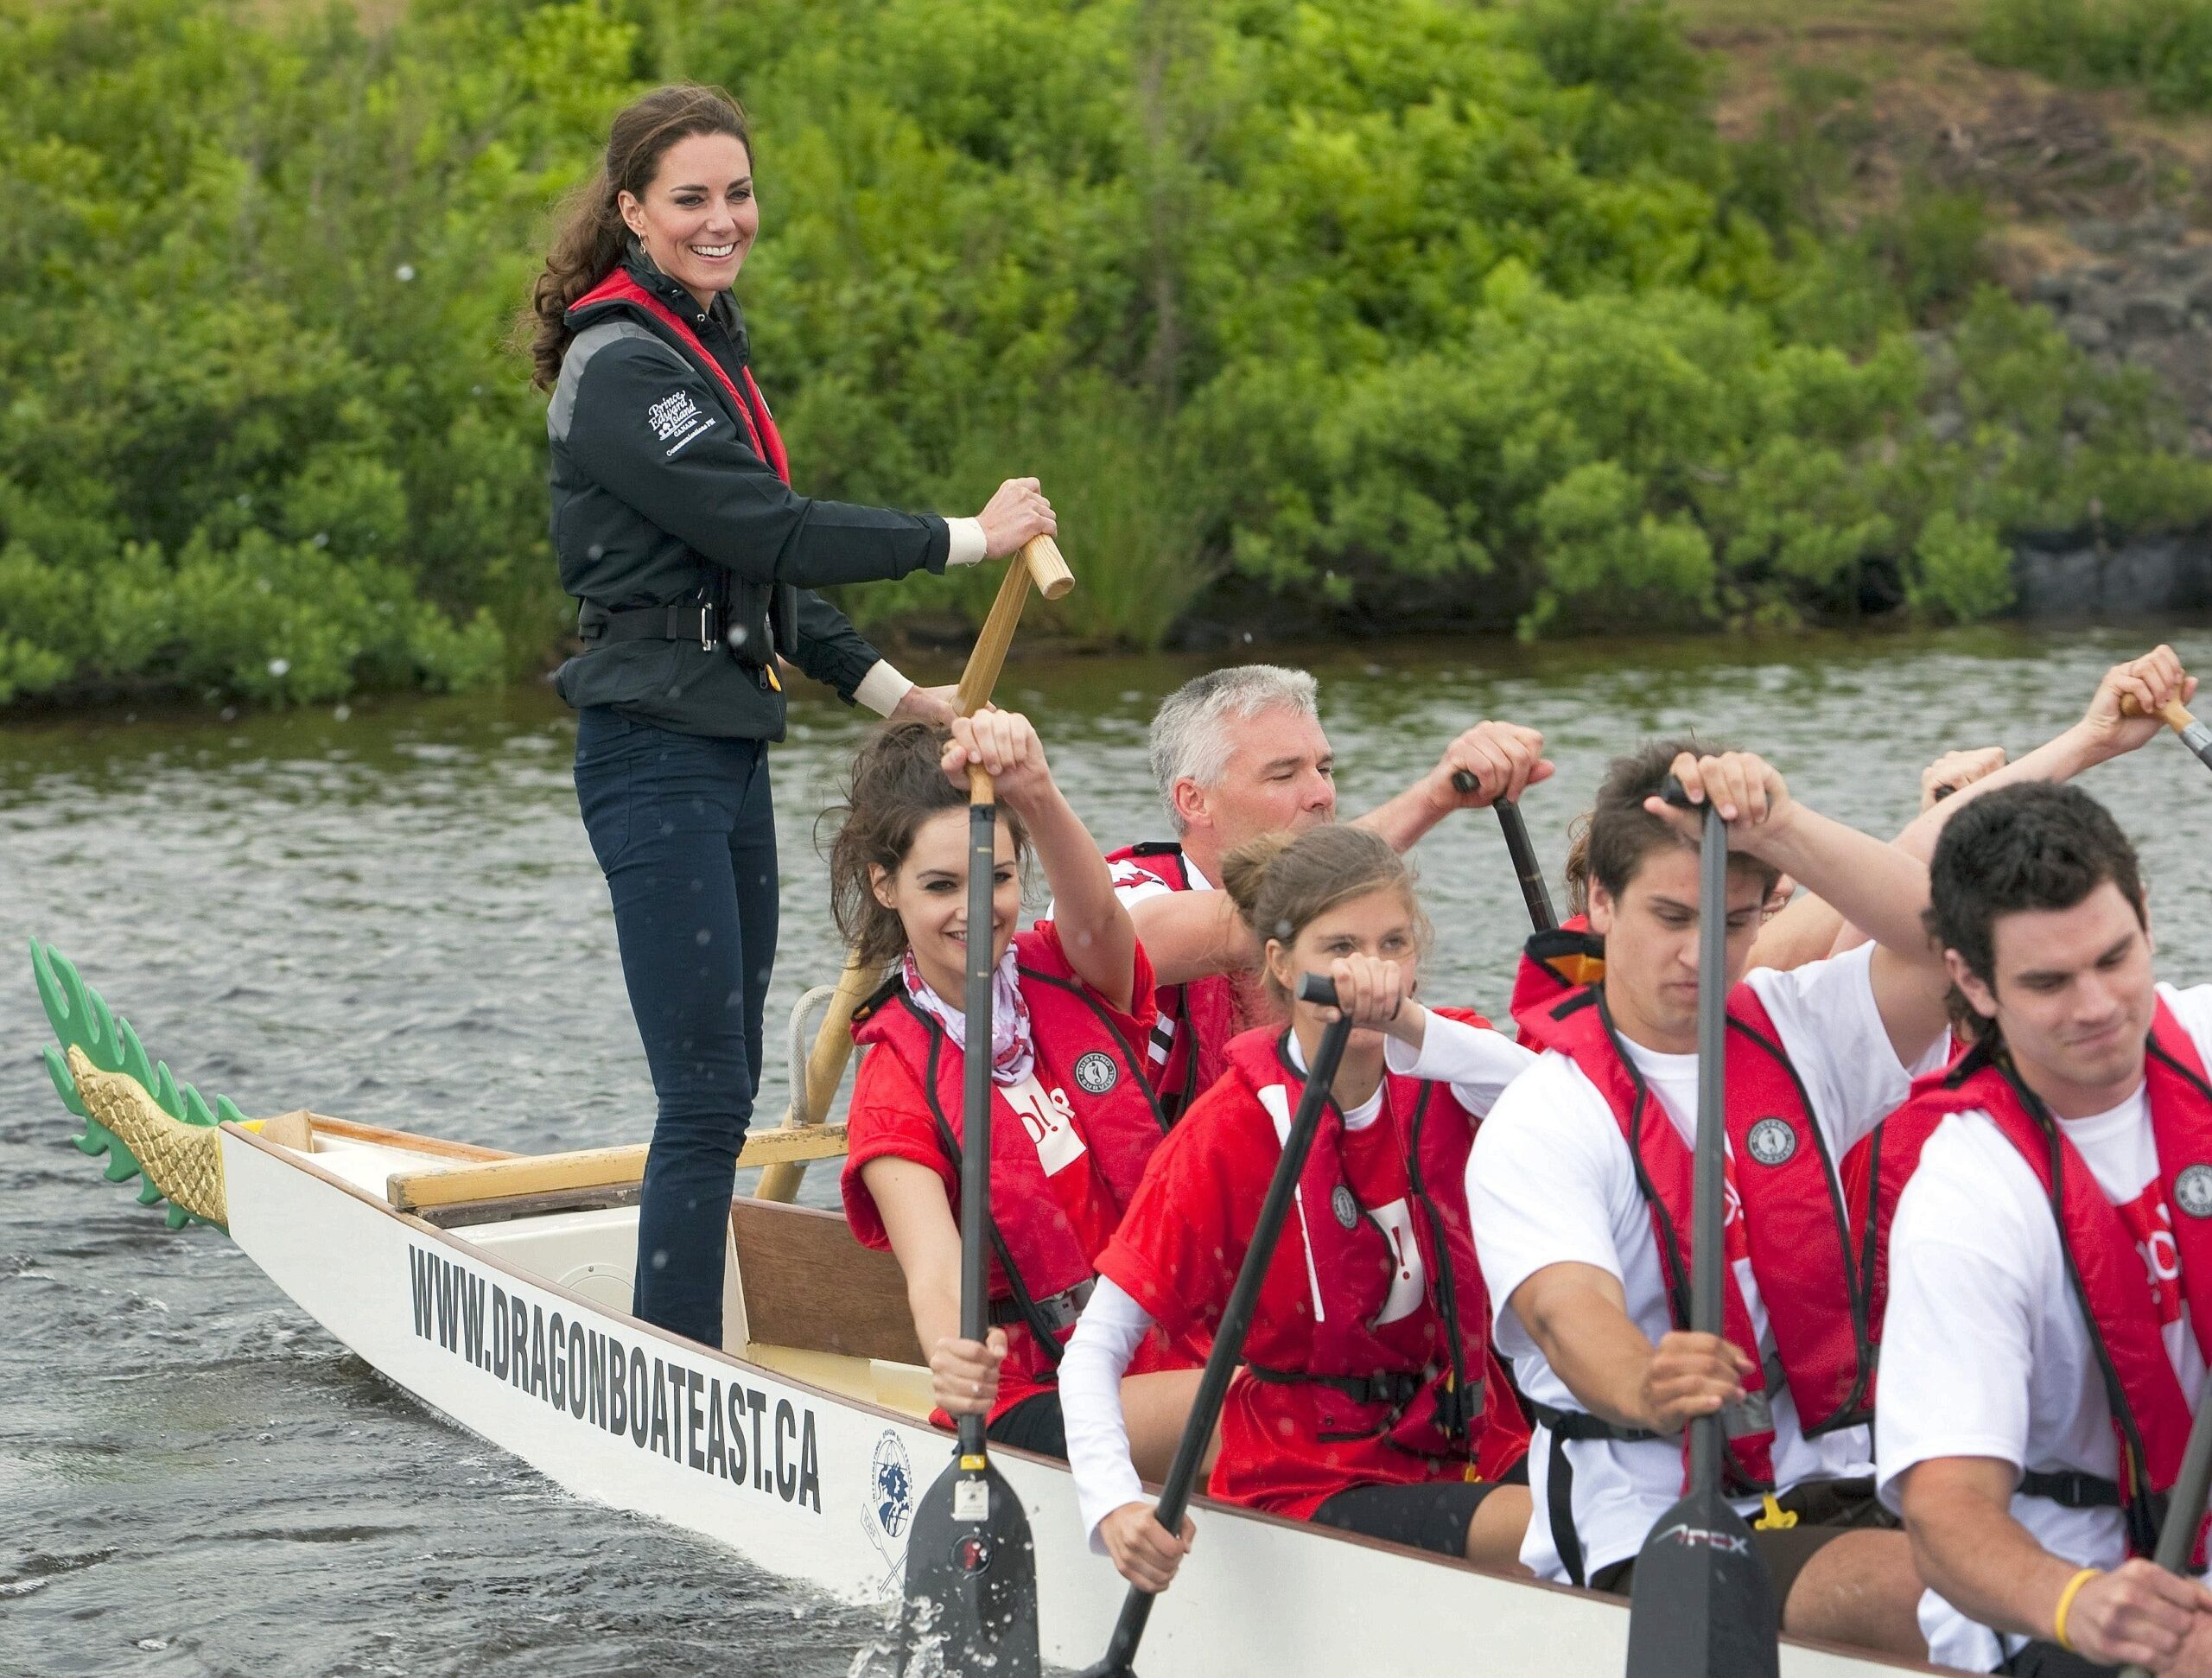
(816, 1486)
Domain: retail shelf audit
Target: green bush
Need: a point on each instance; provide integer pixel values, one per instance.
(2163, 47)
(1333, 296)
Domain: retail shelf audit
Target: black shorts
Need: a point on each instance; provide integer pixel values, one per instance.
(1035, 1424)
(1825, 1510)
(1434, 1516)
(2042, 1659)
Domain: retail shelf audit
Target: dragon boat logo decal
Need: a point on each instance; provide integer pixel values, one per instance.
(1345, 1208)
(888, 1507)
(2192, 1191)
(1772, 1141)
(1096, 1073)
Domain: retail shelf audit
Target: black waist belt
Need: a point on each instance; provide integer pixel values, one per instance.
(693, 621)
(2070, 1491)
(1393, 1387)
(1058, 1310)
(1559, 1474)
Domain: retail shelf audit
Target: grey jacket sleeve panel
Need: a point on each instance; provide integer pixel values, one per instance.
(830, 649)
(641, 423)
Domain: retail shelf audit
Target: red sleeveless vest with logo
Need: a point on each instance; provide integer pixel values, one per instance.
(1204, 1011)
(752, 407)
(1796, 1230)
(1082, 1055)
(1329, 1285)
(2151, 1415)
(1553, 963)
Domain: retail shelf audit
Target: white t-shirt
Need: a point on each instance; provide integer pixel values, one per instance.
(1551, 1181)
(1984, 1352)
(1134, 885)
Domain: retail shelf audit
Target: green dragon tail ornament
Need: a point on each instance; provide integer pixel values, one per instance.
(105, 1051)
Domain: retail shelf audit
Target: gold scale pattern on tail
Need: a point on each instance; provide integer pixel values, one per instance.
(184, 1161)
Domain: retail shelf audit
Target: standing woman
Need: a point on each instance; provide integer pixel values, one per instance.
(679, 532)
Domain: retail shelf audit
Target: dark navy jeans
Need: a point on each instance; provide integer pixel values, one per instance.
(685, 833)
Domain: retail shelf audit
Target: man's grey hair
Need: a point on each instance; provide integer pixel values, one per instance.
(1188, 740)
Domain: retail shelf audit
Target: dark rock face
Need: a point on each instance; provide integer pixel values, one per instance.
(2075, 574)
(2146, 300)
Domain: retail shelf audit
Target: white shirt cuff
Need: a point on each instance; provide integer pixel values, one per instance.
(967, 545)
(883, 688)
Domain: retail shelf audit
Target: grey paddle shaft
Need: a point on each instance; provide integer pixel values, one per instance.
(1235, 1317)
(976, 1116)
(2185, 1510)
(1707, 1199)
(1533, 890)
(2198, 739)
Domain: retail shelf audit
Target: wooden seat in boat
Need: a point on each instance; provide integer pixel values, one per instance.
(809, 1286)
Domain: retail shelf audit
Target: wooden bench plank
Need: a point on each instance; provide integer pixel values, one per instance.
(586, 1168)
(809, 1285)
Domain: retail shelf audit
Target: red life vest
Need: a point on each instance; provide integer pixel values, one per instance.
(1196, 1018)
(2150, 1414)
(751, 406)
(1083, 1059)
(1329, 1282)
(1555, 961)
(1796, 1228)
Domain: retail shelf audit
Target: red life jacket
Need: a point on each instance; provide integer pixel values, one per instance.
(1314, 1331)
(752, 407)
(2150, 1414)
(1039, 1263)
(1796, 1228)
(1875, 1172)
(1196, 1018)
(1553, 961)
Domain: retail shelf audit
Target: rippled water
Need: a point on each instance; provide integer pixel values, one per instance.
(391, 914)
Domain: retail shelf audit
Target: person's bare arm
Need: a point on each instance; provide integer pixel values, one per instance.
(1803, 929)
(910, 1198)
(1578, 1316)
(1096, 935)
(1505, 760)
(1958, 1513)
(1188, 935)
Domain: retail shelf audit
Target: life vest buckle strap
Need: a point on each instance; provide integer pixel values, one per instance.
(2069, 1490)
(691, 620)
(1395, 1387)
(1580, 1425)
(1058, 1310)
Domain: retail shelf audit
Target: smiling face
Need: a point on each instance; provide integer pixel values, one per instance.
(1281, 777)
(2073, 992)
(1651, 943)
(698, 216)
(1382, 922)
(929, 893)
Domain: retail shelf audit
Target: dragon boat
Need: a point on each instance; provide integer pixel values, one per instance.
(494, 1289)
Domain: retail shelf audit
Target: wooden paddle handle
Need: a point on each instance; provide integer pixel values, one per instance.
(2173, 713)
(979, 785)
(1041, 558)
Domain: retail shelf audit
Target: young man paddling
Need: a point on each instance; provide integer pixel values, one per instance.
(2051, 1263)
(1579, 1188)
(1239, 753)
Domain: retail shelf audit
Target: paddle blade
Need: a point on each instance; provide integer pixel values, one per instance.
(1702, 1605)
(971, 1583)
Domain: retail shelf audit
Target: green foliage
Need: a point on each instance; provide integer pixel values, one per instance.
(1343, 297)
(2163, 47)
(1961, 567)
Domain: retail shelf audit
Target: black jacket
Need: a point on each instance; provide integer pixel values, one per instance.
(645, 514)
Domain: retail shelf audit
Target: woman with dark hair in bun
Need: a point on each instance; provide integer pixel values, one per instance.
(679, 532)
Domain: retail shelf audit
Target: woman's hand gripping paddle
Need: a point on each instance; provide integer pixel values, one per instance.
(2185, 1507)
(1236, 1318)
(971, 1568)
(1533, 890)
(2194, 734)
(1702, 1605)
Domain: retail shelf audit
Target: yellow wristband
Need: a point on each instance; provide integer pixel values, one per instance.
(2066, 1601)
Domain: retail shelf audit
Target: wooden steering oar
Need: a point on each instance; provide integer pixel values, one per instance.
(1039, 560)
(1534, 892)
(1702, 1604)
(2194, 734)
(972, 1567)
(1236, 1318)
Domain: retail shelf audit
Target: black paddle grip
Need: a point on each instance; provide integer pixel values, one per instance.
(1315, 988)
(1675, 793)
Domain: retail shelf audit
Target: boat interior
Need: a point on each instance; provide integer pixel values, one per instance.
(801, 1295)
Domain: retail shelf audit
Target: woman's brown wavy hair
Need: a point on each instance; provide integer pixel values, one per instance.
(592, 236)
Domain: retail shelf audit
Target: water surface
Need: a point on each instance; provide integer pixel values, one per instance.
(389, 911)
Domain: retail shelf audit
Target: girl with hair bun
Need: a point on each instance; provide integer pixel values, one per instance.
(1369, 1399)
(691, 556)
(1074, 1118)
